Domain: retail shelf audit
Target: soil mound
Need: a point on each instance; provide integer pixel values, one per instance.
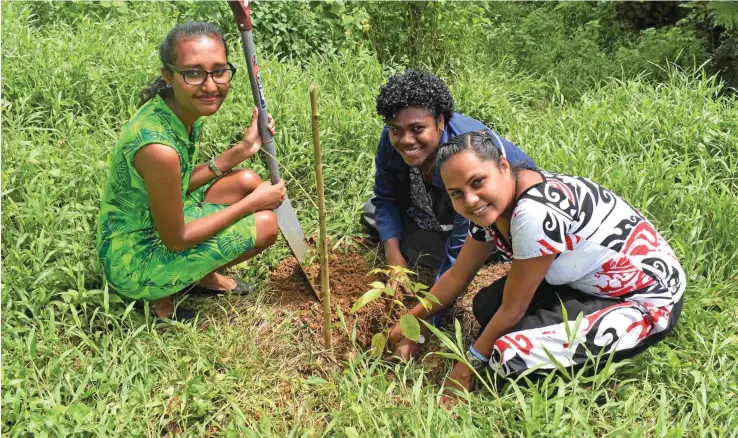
(349, 280)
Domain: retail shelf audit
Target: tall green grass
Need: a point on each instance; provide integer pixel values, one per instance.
(76, 361)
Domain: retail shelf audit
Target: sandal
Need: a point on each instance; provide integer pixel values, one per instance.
(180, 314)
(242, 288)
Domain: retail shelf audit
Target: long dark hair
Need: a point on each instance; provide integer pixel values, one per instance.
(167, 50)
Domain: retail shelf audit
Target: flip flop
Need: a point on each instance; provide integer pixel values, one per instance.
(180, 314)
(242, 288)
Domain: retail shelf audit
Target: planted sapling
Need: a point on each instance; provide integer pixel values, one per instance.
(391, 292)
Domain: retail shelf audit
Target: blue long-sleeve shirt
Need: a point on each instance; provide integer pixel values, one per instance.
(392, 184)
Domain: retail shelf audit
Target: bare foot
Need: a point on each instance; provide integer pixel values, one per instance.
(217, 281)
(163, 307)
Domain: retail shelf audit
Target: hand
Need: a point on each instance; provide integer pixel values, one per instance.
(395, 335)
(251, 141)
(393, 256)
(394, 285)
(406, 350)
(267, 196)
(459, 379)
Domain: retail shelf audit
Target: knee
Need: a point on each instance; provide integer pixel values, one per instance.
(248, 180)
(266, 228)
(478, 306)
(487, 301)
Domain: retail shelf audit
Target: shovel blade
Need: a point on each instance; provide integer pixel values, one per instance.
(295, 237)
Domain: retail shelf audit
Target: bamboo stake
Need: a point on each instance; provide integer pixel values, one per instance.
(323, 242)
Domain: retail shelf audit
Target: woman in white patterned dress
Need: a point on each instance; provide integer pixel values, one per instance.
(572, 243)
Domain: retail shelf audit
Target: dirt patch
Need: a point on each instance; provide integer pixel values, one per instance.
(349, 281)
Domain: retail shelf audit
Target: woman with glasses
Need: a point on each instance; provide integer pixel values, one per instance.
(167, 221)
(576, 249)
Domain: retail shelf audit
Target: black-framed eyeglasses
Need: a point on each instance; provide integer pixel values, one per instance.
(198, 77)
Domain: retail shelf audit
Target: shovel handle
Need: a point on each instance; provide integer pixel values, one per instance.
(242, 14)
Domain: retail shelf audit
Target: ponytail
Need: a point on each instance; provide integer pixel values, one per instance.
(157, 86)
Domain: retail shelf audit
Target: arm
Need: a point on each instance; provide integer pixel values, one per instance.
(453, 282)
(390, 200)
(454, 244)
(242, 151)
(159, 167)
(226, 161)
(522, 282)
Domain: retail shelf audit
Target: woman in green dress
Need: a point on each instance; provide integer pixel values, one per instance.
(167, 223)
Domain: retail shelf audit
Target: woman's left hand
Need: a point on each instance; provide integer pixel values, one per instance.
(459, 379)
(251, 141)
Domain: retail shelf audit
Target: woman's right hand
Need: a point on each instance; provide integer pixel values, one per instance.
(404, 347)
(268, 196)
(406, 350)
(395, 334)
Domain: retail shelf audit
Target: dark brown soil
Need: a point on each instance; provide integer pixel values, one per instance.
(349, 281)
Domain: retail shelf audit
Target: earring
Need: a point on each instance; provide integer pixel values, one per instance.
(169, 85)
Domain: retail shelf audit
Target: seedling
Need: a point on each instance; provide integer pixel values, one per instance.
(391, 292)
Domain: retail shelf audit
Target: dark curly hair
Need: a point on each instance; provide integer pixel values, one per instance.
(415, 88)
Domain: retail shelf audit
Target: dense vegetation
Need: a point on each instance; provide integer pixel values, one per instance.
(575, 85)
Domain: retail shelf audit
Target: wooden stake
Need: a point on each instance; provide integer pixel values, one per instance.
(322, 240)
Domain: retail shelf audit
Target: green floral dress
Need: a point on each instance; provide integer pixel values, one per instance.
(132, 256)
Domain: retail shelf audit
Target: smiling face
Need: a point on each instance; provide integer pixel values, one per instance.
(415, 134)
(479, 189)
(200, 53)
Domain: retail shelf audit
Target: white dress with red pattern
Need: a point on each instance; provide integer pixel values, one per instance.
(605, 249)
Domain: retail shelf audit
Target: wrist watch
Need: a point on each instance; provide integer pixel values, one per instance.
(476, 359)
(214, 167)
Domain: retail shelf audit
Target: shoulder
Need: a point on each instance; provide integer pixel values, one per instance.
(461, 124)
(152, 124)
(557, 192)
(480, 233)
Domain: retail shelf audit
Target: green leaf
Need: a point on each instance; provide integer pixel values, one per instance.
(431, 297)
(376, 271)
(351, 432)
(410, 327)
(377, 285)
(366, 299)
(379, 342)
(426, 305)
(32, 341)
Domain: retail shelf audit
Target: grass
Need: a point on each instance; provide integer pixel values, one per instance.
(77, 361)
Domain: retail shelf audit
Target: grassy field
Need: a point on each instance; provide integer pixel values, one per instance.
(77, 361)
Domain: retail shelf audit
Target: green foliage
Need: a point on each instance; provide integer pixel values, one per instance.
(79, 361)
(51, 12)
(410, 327)
(398, 280)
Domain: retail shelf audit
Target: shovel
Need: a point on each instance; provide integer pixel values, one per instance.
(286, 217)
